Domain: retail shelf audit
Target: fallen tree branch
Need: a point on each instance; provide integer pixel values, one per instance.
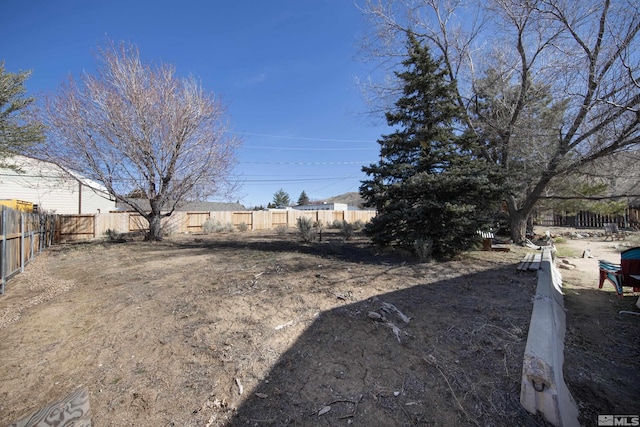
(435, 364)
(388, 307)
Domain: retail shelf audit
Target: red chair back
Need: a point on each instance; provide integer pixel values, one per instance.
(630, 266)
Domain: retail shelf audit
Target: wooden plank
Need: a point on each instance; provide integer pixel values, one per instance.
(526, 261)
(74, 410)
(535, 264)
(531, 261)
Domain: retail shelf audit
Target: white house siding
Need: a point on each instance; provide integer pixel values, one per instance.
(52, 189)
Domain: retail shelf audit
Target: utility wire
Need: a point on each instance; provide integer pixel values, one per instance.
(302, 138)
(305, 163)
(293, 179)
(310, 149)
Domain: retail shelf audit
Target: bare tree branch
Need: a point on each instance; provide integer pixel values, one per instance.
(565, 78)
(137, 128)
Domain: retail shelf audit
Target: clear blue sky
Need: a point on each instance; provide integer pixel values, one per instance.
(286, 69)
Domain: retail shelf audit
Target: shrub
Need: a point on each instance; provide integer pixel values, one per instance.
(306, 229)
(114, 236)
(347, 230)
(281, 230)
(358, 225)
(243, 226)
(337, 224)
(227, 227)
(212, 226)
(209, 226)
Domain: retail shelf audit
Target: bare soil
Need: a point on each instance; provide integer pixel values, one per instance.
(258, 329)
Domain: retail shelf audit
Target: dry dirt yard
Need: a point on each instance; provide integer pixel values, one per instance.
(258, 329)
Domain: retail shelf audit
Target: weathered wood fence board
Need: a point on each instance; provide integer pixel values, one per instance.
(24, 235)
(85, 227)
(585, 219)
(75, 227)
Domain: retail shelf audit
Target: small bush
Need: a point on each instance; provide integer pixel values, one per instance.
(358, 225)
(114, 236)
(337, 224)
(209, 226)
(243, 226)
(305, 229)
(281, 230)
(227, 227)
(212, 226)
(347, 230)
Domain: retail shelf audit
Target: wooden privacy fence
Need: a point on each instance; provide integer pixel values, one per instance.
(24, 235)
(84, 227)
(585, 219)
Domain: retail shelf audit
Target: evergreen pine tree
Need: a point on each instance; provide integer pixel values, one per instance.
(431, 193)
(17, 129)
(303, 199)
(281, 199)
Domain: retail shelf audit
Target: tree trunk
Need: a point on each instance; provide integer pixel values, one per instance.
(155, 227)
(519, 212)
(518, 216)
(518, 225)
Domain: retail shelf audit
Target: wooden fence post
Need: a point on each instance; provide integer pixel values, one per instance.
(21, 242)
(3, 264)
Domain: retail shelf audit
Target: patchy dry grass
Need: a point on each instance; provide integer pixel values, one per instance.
(260, 329)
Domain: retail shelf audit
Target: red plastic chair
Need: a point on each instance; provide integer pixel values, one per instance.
(625, 274)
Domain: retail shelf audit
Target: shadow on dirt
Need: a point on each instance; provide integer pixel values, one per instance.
(602, 368)
(358, 250)
(348, 368)
(457, 362)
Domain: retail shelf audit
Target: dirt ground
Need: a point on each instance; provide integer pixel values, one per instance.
(258, 329)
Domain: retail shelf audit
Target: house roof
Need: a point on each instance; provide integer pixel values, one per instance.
(44, 169)
(211, 206)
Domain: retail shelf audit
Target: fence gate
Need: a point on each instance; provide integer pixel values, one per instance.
(75, 227)
(245, 218)
(279, 219)
(195, 221)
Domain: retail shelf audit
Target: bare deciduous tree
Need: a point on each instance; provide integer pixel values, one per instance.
(549, 86)
(138, 128)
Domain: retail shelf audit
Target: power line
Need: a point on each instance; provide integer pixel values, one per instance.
(306, 163)
(310, 149)
(293, 179)
(239, 177)
(302, 138)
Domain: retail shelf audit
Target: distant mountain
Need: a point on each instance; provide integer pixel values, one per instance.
(351, 199)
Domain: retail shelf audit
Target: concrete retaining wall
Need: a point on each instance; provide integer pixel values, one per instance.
(543, 388)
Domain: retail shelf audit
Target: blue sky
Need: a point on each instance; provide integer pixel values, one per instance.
(286, 69)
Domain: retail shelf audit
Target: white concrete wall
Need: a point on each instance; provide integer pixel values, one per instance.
(542, 387)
